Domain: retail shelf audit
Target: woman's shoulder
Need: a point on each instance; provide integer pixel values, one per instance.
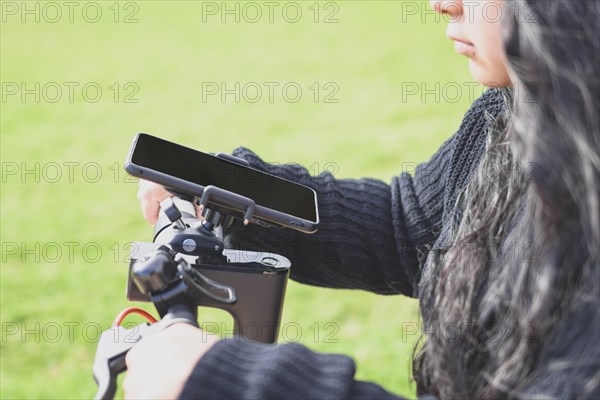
(468, 144)
(484, 116)
(494, 99)
(491, 106)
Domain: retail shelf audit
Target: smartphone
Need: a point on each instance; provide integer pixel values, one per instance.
(188, 171)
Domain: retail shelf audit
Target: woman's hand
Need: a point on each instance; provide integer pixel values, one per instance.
(150, 195)
(159, 365)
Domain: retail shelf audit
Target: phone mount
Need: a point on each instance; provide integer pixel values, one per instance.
(248, 285)
(187, 266)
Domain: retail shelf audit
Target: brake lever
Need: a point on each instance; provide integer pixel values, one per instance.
(115, 343)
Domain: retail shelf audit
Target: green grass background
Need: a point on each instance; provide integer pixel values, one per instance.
(369, 53)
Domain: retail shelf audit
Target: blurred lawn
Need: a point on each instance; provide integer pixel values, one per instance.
(77, 197)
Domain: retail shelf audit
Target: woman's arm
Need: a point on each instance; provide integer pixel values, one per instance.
(238, 369)
(185, 362)
(372, 235)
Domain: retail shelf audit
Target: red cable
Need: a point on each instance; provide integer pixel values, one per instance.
(133, 310)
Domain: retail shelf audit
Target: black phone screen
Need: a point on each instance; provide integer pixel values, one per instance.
(204, 169)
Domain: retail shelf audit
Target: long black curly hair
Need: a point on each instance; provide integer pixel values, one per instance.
(519, 285)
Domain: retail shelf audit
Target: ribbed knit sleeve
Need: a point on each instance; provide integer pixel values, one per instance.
(355, 245)
(263, 371)
(372, 235)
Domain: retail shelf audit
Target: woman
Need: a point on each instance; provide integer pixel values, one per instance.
(497, 235)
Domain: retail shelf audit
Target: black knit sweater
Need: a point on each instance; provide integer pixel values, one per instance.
(372, 236)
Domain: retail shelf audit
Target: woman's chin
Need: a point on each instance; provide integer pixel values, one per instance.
(489, 77)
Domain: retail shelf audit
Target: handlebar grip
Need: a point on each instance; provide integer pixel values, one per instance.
(115, 343)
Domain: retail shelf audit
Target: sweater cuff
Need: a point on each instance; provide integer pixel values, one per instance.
(253, 160)
(236, 368)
